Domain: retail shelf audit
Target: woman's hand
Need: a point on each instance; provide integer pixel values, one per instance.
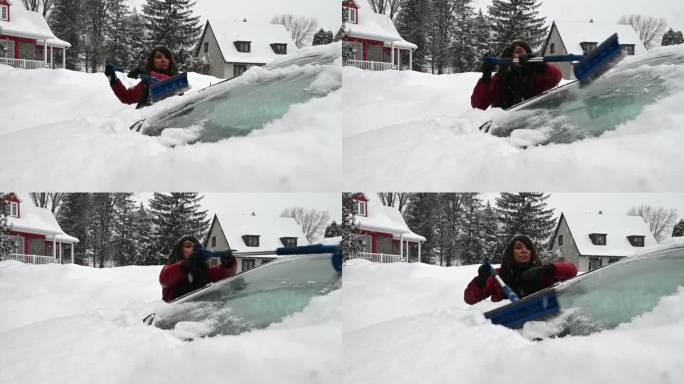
(538, 272)
(483, 274)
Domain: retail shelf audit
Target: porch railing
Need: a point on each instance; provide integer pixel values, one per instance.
(371, 65)
(377, 257)
(30, 259)
(23, 63)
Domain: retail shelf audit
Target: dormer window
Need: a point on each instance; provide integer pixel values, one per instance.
(598, 238)
(243, 46)
(349, 15)
(588, 47)
(14, 209)
(636, 240)
(279, 49)
(251, 240)
(628, 48)
(4, 12)
(360, 208)
(289, 241)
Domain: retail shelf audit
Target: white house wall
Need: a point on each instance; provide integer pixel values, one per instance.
(217, 64)
(221, 241)
(560, 49)
(569, 249)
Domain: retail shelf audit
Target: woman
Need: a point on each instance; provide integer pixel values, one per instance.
(521, 270)
(160, 65)
(187, 268)
(515, 83)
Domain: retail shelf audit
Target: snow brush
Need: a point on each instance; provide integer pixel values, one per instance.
(335, 250)
(160, 89)
(589, 67)
(520, 311)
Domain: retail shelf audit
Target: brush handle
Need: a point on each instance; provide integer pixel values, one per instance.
(545, 59)
(504, 288)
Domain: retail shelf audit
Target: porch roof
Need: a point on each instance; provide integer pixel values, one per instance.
(385, 219)
(374, 26)
(38, 221)
(31, 25)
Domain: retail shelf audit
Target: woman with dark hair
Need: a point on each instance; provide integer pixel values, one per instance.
(514, 83)
(160, 65)
(521, 270)
(187, 268)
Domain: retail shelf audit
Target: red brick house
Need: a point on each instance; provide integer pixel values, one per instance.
(35, 233)
(26, 40)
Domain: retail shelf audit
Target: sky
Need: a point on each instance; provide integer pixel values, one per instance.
(327, 12)
(608, 11)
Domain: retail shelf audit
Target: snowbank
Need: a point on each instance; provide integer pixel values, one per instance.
(420, 134)
(408, 323)
(71, 323)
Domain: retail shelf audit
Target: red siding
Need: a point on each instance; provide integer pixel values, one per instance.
(374, 236)
(27, 237)
(14, 198)
(366, 43)
(18, 40)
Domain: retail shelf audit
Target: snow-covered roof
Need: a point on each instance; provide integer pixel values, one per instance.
(32, 25)
(37, 220)
(261, 36)
(575, 32)
(616, 228)
(385, 219)
(376, 26)
(269, 229)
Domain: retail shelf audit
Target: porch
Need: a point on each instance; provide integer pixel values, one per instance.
(24, 63)
(26, 53)
(385, 248)
(30, 259)
(379, 56)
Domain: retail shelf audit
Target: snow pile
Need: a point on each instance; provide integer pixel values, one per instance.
(408, 323)
(419, 132)
(89, 322)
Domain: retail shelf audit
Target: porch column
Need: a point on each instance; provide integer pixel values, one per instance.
(419, 250)
(401, 247)
(72, 253)
(45, 52)
(64, 67)
(411, 67)
(399, 60)
(52, 65)
(392, 49)
(54, 247)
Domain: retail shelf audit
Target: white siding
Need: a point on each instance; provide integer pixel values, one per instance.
(217, 66)
(560, 49)
(568, 250)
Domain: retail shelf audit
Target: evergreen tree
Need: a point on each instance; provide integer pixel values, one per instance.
(333, 230)
(672, 38)
(517, 20)
(7, 246)
(450, 214)
(350, 244)
(482, 43)
(323, 37)
(420, 216)
(527, 214)
(678, 229)
(144, 237)
(463, 46)
(471, 240)
(95, 16)
(118, 38)
(176, 215)
(75, 219)
(103, 215)
(442, 20)
(124, 236)
(137, 43)
(170, 23)
(491, 246)
(412, 24)
(66, 23)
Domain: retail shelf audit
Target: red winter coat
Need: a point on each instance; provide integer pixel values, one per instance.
(171, 277)
(134, 94)
(485, 94)
(474, 294)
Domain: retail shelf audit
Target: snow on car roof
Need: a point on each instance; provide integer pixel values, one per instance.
(261, 36)
(385, 219)
(575, 32)
(33, 219)
(376, 26)
(29, 24)
(616, 227)
(269, 229)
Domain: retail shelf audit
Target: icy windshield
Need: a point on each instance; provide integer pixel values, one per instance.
(262, 94)
(617, 293)
(251, 300)
(571, 113)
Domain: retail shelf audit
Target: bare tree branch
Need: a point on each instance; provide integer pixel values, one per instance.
(31, 5)
(648, 28)
(659, 219)
(312, 221)
(300, 28)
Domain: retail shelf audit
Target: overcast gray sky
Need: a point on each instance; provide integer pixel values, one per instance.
(608, 11)
(327, 12)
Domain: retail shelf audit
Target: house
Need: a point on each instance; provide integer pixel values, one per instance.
(26, 40)
(594, 240)
(581, 38)
(229, 48)
(383, 232)
(251, 233)
(37, 237)
(373, 38)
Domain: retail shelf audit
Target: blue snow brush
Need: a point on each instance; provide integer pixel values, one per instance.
(159, 90)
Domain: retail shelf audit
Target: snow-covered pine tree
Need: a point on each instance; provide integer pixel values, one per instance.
(678, 229)
(124, 238)
(350, 245)
(333, 230)
(491, 247)
(482, 40)
(471, 238)
(517, 20)
(117, 33)
(6, 245)
(144, 237)
(66, 23)
(420, 216)
(442, 18)
(75, 219)
(323, 37)
(138, 48)
(95, 16)
(413, 24)
(103, 215)
(527, 214)
(450, 220)
(672, 38)
(463, 47)
(170, 23)
(175, 215)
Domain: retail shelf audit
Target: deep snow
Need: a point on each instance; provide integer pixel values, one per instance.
(411, 131)
(66, 130)
(408, 323)
(69, 323)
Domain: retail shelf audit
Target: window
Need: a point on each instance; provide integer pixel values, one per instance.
(349, 15)
(560, 240)
(251, 240)
(360, 208)
(279, 49)
(247, 264)
(628, 48)
(636, 241)
(598, 238)
(366, 242)
(239, 69)
(4, 13)
(16, 243)
(14, 209)
(594, 263)
(552, 49)
(588, 47)
(213, 241)
(206, 47)
(243, 46)
(289, 241)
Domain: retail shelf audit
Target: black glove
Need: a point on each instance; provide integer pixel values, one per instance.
(134, 74)
(110, 72)
(192, 263)
(226, 258)
(535, 66)
(483, 274)
(204, 253)
(538, 272)
(487, 68)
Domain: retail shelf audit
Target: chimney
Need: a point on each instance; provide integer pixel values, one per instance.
(600, 212)
(253, 214)
(591, 21)
(244, 20)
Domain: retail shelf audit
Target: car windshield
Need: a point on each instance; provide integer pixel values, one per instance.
(251, 300)
(570, 113)
(240, 105)
(617, 293)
